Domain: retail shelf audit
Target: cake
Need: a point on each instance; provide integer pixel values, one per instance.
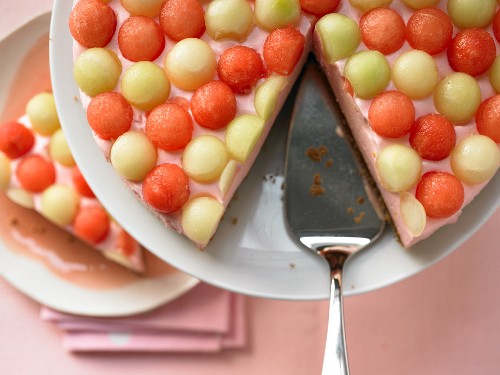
(37, 171)
(180, 95)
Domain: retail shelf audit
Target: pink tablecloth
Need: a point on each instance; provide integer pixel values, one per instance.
(445, 320)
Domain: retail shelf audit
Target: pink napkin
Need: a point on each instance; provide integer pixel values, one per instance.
(206, 319)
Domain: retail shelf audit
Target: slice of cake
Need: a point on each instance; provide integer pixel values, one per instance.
(37, 171)
(418, 82)
(181, 94)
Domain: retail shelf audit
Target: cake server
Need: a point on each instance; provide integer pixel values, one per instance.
(330, 207)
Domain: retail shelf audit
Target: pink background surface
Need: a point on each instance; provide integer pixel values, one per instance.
(445, 320)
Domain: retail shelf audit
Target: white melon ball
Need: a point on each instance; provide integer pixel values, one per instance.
(267, 95)
(60, 204)
(412, 213)
(399, 167)
(229, 19)
(5, 172)
(415, 73)
(227, 176)
(59, 149)
(204, 158)
(275, 14)
(242, 135)
(21, 197)
(200, 218)
(148, 8)
(41, 111)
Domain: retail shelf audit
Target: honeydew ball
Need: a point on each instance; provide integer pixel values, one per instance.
(366, 5)
(339, 35)
(21, 197)
(413, 213)
(398, 167)
(495, 74)
(97, 70)
(59, 149)
(267, 95)
(190, 64)
(145, 85)
(200, 218)
(242, 135)
(204, 158)
(471, 13)
(41, 111)
(227, 177)
(368, 72)
(420, 4)
(229, 19)
(59, 204)
(415, 73)
(133, 156)
(457, 97)
(148, 8)
(475, 159)
(5, 172)
(275, 14)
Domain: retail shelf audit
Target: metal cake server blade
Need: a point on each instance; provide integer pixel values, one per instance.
(329, 205)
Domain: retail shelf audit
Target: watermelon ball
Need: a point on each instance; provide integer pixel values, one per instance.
(283, 49)
(240, 67)
(383, 30)
(429, 30)
(391, 114)
(433, 137)
(441, 194)
(181, 19)
(35, 173)
(488, 118)
(92, 224)
(213, 105)
(109, 115)
(169, 127)
(80, 183)
(166, 188)
(16, 140)
(141, 39)
(472, 51)
(92, 23)
(126, 243)
(319, 7)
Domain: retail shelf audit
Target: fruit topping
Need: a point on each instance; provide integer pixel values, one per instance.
(41, 111)
(21, 197)
(319, 7)
(382, 29)
(141, 39)
(166, 188)
(227, 177)
(415, 73)
(368, 72)
(4, 172)
(267, 94)
(283, 49)
(204, 158)
(469, 13)
(97, 70)
(366, 5)
(92, 224)
(440, 193)
(413, 213)
(190, 64)
(200, 218)
(16, 140)
(80, 184)
(398, 167)
(496, 25)
(148, 8)
(475, 159)
(273, 14)
(488, 118)
(457, 97)
(495, 74)
(429, 30)
(240, 67)
(109, 115)
(145, 85)
(59, 203)
(181, 19)
(391, 114)
(213, 105)
(229, 19)
(169, 127)
(242, 135)
(420, 4)
(433, 137)
(133, 156)
(92, 23)
(472, 51)
(339, 35)
(35, 173)
(59, 149)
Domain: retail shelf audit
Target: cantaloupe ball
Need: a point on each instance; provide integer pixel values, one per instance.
(399, 167)
(60, 204)
(229, 19)
(204, 158)
(145, 85)
(59, 149)
(97, 70)
(475, 159)
(133, 156)
(5, 172)
(41, 111)
(200, 218)
(190, 64)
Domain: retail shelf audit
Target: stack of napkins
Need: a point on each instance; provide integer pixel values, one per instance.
(206, 319)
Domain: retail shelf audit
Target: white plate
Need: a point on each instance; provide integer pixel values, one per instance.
(257, 256)
(28, 274)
